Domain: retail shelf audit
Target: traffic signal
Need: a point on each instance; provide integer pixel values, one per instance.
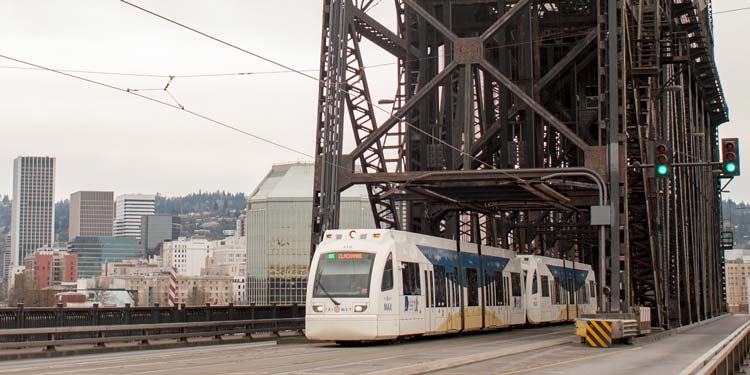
(730, 157)
(663, 160)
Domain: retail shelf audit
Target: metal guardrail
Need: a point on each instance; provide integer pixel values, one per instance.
(726, 357)
(21, 317)
(100, 335)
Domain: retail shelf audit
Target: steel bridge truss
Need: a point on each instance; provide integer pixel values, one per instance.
(496, 97)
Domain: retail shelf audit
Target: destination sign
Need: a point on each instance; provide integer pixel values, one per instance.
(349, 256)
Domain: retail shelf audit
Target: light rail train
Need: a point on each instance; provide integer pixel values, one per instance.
(373, 284)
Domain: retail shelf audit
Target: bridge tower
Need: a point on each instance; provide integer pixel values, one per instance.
(509, 113)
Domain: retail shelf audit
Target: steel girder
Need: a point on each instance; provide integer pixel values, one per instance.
(491, 92)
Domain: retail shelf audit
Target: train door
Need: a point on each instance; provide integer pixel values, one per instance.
(518, 312)
(545, 300)
(411, 300)
(440, 313)
(454, 299)
(388, 319)
(429, 301)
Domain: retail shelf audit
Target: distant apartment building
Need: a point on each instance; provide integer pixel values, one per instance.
(186, 255)
(155, 229)
(133, 267)
(91, 214)
(151, 285)
(229, 258)
(33, 205)
(279, 231)
(737, 283)
(49, 267)
(241, 226)
(128, 211)
(93, 252)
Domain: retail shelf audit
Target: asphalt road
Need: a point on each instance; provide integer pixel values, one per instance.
(545, 350)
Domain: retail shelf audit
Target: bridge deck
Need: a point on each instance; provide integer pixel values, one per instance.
(545, 350)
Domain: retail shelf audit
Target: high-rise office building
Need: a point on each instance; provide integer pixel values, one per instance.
(93, 252)
(91, 214)
(279, 232)
(128, 211)
(155, 229)
(4, 257)
(33, 207)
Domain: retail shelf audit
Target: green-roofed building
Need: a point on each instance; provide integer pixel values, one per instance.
(95, 251)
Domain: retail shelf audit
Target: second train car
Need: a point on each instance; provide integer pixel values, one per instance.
(373, 284)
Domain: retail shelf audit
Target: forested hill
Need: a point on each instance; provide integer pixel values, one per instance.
(213, 211)
(218, 202)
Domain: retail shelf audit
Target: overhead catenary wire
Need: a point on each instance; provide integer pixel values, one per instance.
(285, 71)
(731, 10)
(131, 92)
(284, 66)
(177, 107)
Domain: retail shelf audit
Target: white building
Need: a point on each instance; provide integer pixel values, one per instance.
(128, 211)
(279, 229)
(229, 258)
(188, 256)
(33, 206)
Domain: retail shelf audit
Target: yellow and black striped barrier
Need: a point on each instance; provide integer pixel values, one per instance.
(599, 333)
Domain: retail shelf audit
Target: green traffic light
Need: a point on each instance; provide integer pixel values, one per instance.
(730, 167)
(662, 170)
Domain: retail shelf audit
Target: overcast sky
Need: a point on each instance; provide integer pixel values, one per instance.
(104, 139)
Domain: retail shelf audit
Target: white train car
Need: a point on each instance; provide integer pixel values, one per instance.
(557, 290)
(373, 284)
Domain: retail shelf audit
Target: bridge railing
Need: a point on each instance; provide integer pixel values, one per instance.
(726, 357)
(50, 338)
(22, 327)
(42, 317)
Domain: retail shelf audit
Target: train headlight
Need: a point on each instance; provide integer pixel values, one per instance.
(318, 308)
(360, 308)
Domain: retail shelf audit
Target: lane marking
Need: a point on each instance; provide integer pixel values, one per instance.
(553, 364)
(62, 362)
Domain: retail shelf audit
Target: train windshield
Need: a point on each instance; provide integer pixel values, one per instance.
(343, 275)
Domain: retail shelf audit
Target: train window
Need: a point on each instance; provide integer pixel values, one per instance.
(553, 291)
(571, 291)
(583, 297)
(560, 284)
(592, 286)
(545, 286)
(471, 287)
(515, 284)
(410, 278)
(440, 290)
(387, 283)
(499, 289)
(534, 284)
(559, 292)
